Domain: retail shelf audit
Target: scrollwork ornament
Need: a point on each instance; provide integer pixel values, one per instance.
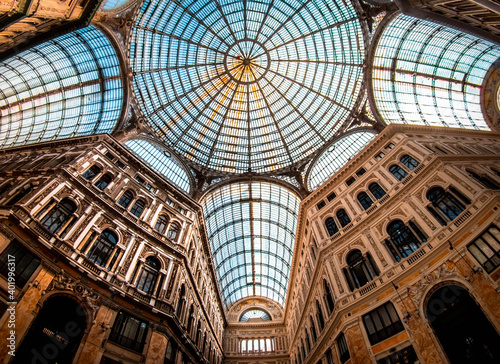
(62, 282)
(416, 291)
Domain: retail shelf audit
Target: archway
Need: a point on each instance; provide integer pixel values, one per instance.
(463, 330)
(55, 334)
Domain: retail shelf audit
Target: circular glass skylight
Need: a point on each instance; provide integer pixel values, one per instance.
(246, 86)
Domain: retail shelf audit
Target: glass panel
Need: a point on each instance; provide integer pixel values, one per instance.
(336, 156)
(161, 161)
(251, 228)
(428, 74)
(68, 86)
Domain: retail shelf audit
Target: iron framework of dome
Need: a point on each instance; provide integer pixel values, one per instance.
(247, 86)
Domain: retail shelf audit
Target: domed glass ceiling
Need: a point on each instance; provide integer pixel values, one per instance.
(246, 86)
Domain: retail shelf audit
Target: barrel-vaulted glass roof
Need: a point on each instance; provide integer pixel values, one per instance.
(426, 73)
(337, 155)
(161, 161)
(246, 86)
(68, 86)
(251, 228)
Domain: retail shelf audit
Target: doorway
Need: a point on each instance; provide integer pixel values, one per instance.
(55, 334)
(461, 327)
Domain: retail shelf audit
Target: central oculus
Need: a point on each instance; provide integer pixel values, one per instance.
(246, 61)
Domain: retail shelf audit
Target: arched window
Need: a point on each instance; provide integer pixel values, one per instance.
(403, 241)
(149, 275)
(190, 319)
(103, 182)
(138, 208)
(198, 333)
(331, 226)
(5, 188)
(90, 173)
(484, 180)
(319, 314)
(361, 269)
(409, 162)
(447, 205)
(170, 352)
(161, 224)
(103, 247)
(173, 232)
(59, 216)
(328, 296)
(377, 191)
(398, 172)
(126, 198)
(181, 302)
(313, 329)
(343, 217)
(365, 200)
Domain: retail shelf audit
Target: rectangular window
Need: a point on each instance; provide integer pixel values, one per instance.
(405, 355)
(21, 259)
(321, 205)
(361, 172)
(129, 331)
(109, 156)
(389, 146)
(120, 164)
(343, 349)
(171, 352)
(486, 249)
(329, 357)
(382, 323)
(380, 156)
(140, 179)
(331, 196)
(350, 181)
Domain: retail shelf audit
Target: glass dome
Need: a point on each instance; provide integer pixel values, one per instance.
(250, 86)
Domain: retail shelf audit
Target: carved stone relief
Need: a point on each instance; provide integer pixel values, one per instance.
(454, 177)
(42, 195)
(128, 260)
(62, 282)
(385, 177)
(423, 216)
(375, 247)
(416, 291)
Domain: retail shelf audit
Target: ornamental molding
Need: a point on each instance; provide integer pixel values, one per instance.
(418, 290)
(63, 282)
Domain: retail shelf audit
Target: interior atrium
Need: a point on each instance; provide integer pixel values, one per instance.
(250, 181)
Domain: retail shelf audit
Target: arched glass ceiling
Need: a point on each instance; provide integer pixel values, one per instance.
(336, 156)
(112, 4)
(161, 161)
(255, 314)
(246, 86)
(251, 228)
(65, 87)
(425, 73)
